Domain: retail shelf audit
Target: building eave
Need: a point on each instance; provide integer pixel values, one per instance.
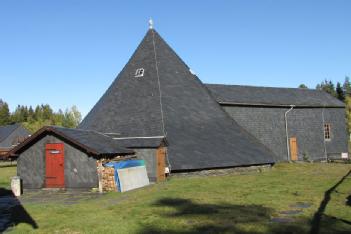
(276, 105)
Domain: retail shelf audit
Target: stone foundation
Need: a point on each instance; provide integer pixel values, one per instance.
(226, 171)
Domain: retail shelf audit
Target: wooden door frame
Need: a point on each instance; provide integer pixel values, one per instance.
(62, 147)
(293, 149)
(160, 165)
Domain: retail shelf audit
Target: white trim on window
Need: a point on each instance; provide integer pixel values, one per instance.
(139, 72)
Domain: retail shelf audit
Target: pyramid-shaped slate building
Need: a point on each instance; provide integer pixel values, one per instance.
(155, 97)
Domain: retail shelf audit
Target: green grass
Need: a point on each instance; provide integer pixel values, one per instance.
(216, 204)
(6, 172)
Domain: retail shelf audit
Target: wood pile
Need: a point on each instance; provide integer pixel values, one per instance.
(106, 178)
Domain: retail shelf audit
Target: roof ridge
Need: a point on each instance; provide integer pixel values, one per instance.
(271, 87)
(246, 94)
(82, 130)
(158, 82)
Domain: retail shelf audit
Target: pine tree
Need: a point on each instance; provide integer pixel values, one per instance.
(4, 114)
(327, 86)
(347, 86)
(348, 112)
(340, 92)
(303, 86)
(30, 114)
(47, 112)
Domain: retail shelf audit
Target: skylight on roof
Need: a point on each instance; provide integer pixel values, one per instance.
(139, 72)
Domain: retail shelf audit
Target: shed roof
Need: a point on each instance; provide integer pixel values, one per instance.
(252, 95)
(170, 101)
(6, 130)
(90, 141)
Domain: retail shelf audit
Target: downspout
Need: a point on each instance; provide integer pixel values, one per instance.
(286, 130)
(324, 144)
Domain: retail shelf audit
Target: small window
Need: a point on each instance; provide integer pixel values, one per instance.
(139, 72)
(327, 134)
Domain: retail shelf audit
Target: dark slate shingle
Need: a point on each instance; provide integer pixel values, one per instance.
(140, 142)
(100, 143)
(199, 133)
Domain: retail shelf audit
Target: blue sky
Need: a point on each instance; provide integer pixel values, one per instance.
(67, 53)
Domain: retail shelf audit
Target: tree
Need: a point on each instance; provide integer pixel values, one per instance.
(58, 118)
(4, 114)
(77, 115)
(347, 86)
(72, 117)
(303, 86)
(42, 115)
(47, 112)
(327, 86)
(30, 114)
(348, 112)
(340, 92)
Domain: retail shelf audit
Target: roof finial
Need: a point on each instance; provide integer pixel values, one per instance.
(151, 24)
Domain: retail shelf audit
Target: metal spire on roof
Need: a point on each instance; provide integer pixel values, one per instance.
(151, 24)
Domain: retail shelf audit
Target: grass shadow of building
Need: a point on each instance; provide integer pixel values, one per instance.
(12, 212)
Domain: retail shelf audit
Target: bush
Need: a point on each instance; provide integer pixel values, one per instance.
(305, 156)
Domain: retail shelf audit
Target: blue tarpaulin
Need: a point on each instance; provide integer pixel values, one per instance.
(123, 164)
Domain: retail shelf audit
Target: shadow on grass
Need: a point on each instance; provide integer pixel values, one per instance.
(219, 218)
(316, 221)
(12, 212)
(348, 200)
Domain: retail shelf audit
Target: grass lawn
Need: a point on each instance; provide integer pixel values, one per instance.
(250, 203)
(6, 173)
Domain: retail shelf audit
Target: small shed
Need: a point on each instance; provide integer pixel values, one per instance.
(10, 136)
(56, 157)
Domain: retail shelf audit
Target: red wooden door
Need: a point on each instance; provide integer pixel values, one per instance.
(55, 176)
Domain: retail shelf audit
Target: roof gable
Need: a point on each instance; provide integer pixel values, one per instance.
(89, 141)
(251, 95)
(170, 101)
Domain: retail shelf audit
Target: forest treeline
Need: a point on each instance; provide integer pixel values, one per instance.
(42, 115)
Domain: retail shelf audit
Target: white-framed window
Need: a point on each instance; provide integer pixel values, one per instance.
(139, 72)
(327, 131)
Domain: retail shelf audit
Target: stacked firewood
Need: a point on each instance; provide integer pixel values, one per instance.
(108, 179)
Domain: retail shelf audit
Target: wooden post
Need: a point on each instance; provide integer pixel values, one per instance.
(99, 169)
(161, 164)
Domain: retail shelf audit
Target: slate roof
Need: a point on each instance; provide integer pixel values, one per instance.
(141, 142)
(100, 143)
(170, 101)
(92, 142)
(239, 94)
(6, 130)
